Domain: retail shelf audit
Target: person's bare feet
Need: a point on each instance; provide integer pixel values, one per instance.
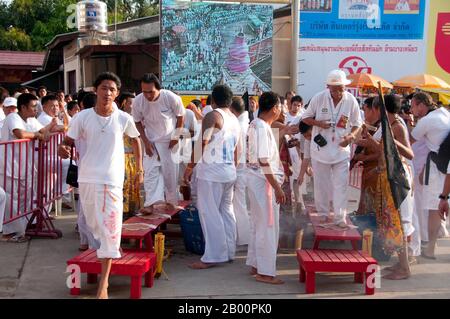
(83, 247)
(201, 265)
(146, 210)
(394, 267)
(253, 271)
(102, 292)
(399, 274)
(170, 206)
(269, 279)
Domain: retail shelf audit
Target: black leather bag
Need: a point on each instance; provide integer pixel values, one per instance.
(320, 140)
(72, 173)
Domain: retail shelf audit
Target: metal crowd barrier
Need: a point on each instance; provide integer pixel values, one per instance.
(30, 174)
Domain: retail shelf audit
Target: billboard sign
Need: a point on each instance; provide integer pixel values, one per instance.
(203, 44)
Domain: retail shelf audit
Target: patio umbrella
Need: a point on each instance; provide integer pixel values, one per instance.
(422, 81)
(367, 80)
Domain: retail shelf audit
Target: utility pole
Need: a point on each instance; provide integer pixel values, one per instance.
(295, 18)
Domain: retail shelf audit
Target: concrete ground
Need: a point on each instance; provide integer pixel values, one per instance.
(37, 270)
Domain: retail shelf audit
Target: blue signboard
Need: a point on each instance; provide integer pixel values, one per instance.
(362, 19)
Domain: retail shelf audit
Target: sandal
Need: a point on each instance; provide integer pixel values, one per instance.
(18, 239)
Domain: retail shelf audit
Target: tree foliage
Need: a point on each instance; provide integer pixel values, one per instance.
(31, 24)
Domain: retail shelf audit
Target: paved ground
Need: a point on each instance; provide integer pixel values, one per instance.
(37, 270)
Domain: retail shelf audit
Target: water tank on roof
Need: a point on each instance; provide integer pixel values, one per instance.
(92, 16)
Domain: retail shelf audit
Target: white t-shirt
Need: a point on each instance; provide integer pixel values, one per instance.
(294, 119)
(433, 128)
(2, 115)
(46, 119)
(345, 116)
(158, 117)
(306, 148)
(206, 110)
(262, 145)
(13, 122)
(191, 124)
(103, 159)
(243, 124)
(217, 164)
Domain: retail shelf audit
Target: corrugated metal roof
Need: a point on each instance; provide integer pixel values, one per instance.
(16, 58)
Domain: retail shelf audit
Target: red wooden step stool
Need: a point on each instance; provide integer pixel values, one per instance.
(133, 264)
(333, 233)
(312, 261)
(144, 235)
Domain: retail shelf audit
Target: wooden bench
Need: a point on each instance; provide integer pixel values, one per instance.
(312, 261)
(333, 233)
(133, 264)
(144, 235)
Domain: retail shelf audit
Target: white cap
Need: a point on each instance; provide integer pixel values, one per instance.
(337, 77)
(10, 101)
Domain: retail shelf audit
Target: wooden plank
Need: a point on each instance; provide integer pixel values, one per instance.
(315, 257)
(324, 256)
(332, 256)
(305, 256)
(341, 256)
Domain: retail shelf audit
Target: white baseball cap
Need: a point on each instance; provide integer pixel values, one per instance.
(10, 101)
(337, 77)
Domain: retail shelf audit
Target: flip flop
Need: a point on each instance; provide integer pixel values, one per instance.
(269, 280)
(18, 239)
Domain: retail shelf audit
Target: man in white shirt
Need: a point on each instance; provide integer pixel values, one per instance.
(240, 186)
(216, 174)
(264, 179)
(102, 169)
(159, 116)
(9, 106)
(336, 120)
(51, 108)
(432, 128)
(21, 125)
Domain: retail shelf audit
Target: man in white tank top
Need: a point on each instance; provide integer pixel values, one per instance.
(216, 174)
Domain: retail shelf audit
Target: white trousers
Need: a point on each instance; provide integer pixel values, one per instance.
(240, 208)
(217, 218)
(65, 169)
(422, 214)
(86, 236)
(12, 188)
(331, 180)
(153, 180)
(103, 210)
(2, 207)
(169, 170)
(264, 226)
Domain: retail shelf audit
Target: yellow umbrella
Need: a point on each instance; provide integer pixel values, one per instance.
(366, 80)
(422, 81)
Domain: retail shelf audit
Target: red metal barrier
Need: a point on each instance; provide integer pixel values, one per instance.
(31, 175)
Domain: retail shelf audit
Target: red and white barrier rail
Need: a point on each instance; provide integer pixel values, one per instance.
(31, 176)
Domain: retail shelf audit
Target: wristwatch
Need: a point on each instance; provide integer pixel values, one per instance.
(444, 197)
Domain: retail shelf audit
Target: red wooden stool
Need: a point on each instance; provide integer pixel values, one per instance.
(312, 261)
(133, 264)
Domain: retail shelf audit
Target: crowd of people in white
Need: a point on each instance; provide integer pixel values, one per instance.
(240, 165)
